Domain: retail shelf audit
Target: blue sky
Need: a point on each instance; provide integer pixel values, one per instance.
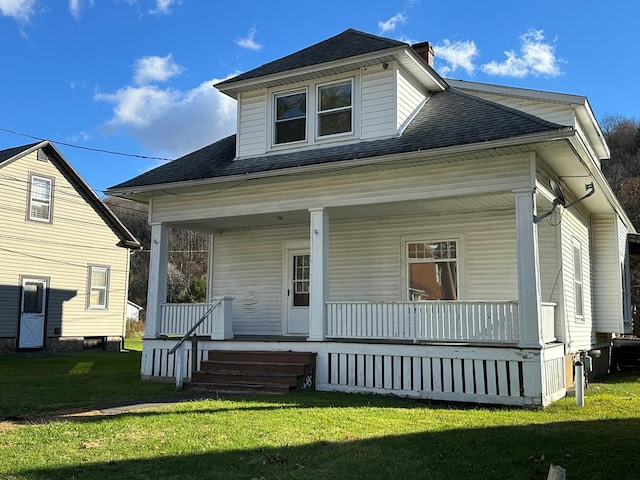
(136, 76)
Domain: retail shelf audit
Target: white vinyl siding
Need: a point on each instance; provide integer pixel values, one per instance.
(623, 249)
(77, 237)
(430, 181)
(608, 314)
(378, 114)
(252, 124)
(579, 333)
(559, 113)
(248, 263)
(411, 96)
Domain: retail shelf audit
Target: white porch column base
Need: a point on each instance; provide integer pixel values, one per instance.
(157, 292)
(529, 298)
(319, 273)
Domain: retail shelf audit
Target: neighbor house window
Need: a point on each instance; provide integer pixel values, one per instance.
(577, 278)
(40, 198)
(432, 270)
(335, 108)
(98, 287)
(290, 117)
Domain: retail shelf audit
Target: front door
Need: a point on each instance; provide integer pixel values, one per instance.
(32, 313)
(298, 292)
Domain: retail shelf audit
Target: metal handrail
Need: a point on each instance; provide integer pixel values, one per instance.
(194, 328)
(180, 344)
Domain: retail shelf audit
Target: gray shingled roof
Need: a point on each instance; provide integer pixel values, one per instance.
(349, 43)
(12, 152)
(449, 118)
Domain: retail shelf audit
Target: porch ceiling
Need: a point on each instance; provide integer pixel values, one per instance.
(470, 203)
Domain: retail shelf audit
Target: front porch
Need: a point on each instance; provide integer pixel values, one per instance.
(420, 304)
(448, 350)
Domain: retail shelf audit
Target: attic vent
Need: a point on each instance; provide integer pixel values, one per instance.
(42, 156)
(425, 51)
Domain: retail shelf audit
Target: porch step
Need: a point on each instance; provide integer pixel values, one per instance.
(255, 372)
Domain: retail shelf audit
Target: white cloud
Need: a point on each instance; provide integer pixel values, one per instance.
(20, 10)
(392, 23)
(172, 122)
(155, 69)
(249, 41)
(536, 57)
(75, 6)
(459, 54)
(163, 7)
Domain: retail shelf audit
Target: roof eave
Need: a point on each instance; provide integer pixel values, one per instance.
(147, 191)
(404, 54)
(127, 240)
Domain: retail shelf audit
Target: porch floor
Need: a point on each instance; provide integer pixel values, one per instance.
(370, 341)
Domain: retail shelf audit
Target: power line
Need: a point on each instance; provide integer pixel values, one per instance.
(98, 150)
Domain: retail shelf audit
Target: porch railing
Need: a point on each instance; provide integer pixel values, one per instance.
(422, 321)
(178, 318)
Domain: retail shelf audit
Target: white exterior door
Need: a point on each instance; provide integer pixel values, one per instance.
(298, 292)
(32, 313)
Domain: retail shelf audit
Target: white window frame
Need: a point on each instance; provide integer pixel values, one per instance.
(274, 120)
(578, 280)
(34, 201)
(91, 287)
(318, 112)
(408, 261)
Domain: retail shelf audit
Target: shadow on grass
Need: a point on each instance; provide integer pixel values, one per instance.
(589, 450)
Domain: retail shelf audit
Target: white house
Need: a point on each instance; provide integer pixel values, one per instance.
(392, 223)
(64, 257)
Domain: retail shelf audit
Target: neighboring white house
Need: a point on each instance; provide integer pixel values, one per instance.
(393, 222)
(64, 256)
(133, 311)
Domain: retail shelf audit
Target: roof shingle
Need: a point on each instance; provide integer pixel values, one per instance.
(349, 43)
(448, 118)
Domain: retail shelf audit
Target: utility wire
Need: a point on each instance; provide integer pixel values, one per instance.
(99, 150)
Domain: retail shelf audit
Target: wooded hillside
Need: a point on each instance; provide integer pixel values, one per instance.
(188, 254)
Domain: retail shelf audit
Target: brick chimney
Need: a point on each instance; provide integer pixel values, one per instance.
(425, 51)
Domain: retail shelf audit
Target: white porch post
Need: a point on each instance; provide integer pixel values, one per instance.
(529, 297)
(157, 292)
(319, 273)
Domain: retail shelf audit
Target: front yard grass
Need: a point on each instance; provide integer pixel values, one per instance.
(309, 436)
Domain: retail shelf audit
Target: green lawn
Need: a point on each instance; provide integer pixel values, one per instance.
(306, 436)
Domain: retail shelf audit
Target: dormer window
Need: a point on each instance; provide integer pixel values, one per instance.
(312, 113)
(335, 108)
(291, 117)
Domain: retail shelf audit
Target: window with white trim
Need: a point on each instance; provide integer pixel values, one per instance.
(290, 117)
(40, 198)
(577, 279)
(335, 108)
(97, 295)
(432, 270)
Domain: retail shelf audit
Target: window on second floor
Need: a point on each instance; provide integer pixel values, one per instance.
(335, 108)
(40, 198)
(291, 117)
(98, 287)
